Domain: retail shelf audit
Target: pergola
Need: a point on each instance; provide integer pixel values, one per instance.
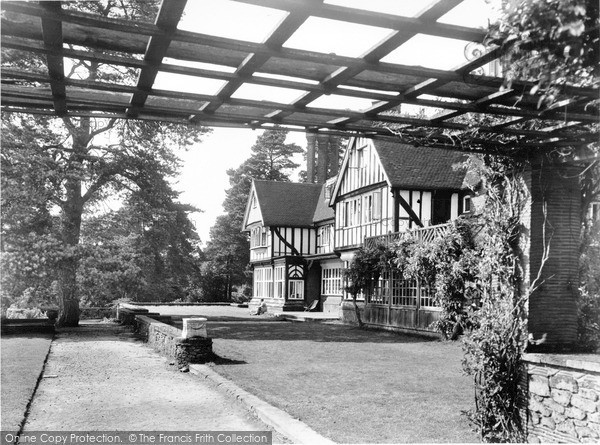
(59, 32)
(467, 102)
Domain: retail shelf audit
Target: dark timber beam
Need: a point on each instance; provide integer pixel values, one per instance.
(254, 61)
(167, 20)
(374, 55)
(53, 40)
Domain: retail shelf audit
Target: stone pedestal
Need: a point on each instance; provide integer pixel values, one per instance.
(194, 328)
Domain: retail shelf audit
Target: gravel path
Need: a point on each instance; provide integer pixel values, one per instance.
(99, 378)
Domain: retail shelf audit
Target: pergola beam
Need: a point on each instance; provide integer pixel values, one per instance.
(167, 20)
(144, 46)
(53, 39)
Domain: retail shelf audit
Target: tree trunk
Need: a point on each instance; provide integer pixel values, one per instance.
(357, 312)
(68, 296)
(72, 211)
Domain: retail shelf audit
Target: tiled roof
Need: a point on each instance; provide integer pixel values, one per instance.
(323, 211)
(288, 204)
(427, 168)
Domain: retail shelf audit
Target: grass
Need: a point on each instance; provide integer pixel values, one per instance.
(23, 359)
(350, 385)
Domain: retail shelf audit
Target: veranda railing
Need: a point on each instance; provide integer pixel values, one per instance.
(421, 233)
(394, 291)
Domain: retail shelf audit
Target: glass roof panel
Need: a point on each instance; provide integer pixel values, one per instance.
(339, 102)
(288, 78)
(187, 84)
(231, 19)
(336, 37)
(406, 8)
(199, 65)
(473, 13)
(267, 93)
(430, 52)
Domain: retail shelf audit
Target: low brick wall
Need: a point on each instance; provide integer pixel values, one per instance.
(564, 398)
(167, 340)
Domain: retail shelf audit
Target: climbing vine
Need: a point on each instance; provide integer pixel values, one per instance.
(494, 348)
(364, 271)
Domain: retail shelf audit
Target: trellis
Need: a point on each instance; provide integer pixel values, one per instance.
(56, 32)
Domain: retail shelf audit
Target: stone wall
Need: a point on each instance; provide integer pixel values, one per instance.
(167, 340)
(564, 398)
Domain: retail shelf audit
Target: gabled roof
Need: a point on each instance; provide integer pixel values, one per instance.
(323, 211)
(287, 204)
(423, 168)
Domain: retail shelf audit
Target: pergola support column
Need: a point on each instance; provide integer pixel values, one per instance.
(553, 220)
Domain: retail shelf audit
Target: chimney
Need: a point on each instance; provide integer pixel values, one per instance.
(322, 157)
(334, 155)
(311, 139)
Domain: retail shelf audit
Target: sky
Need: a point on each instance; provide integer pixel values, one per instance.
(203, 179)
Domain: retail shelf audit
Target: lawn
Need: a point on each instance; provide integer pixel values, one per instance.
(23, 359)
(350, 385)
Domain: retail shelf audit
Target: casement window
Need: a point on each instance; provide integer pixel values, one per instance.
(348, 217)
(331, 281)
(404, 292)
(355, 212)
(376, 206)
(259, 237)
(467, 204)
(372, 207)
(263, 282)
(427, 297)
(368, 209)
(296, 289)
(324, 236)
(381, 293)
(358, 158)
(279, 281)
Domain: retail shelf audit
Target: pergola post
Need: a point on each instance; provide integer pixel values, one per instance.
(552, 228)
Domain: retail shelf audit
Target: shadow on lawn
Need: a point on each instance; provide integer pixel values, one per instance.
(318, 332)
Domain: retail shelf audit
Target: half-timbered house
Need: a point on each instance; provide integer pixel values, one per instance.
(291, 245)
(303, 235)
(384, 188)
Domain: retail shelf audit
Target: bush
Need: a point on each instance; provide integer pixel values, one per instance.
(25, 313)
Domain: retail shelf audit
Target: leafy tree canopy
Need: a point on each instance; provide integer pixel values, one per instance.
(552, 42)
(65, 166)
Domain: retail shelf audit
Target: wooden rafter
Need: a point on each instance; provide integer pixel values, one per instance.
(167, 20)
(52, 36)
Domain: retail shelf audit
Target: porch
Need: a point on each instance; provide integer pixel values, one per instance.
(395, 303)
